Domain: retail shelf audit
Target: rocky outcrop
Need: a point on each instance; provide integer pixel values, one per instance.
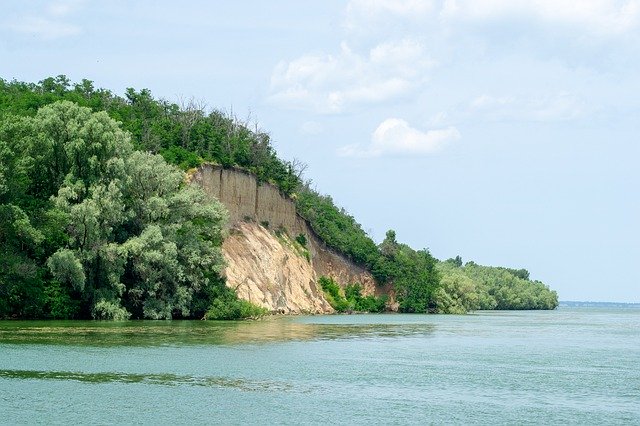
(264, 268)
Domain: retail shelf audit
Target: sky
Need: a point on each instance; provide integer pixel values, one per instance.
(503, 131)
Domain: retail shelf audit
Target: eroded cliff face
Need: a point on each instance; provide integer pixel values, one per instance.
(264, 268)
(267, 270)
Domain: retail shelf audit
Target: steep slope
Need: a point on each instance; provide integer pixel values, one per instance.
(264, 268)
(267, 271)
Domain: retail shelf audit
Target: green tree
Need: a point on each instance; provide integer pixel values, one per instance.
(475, 286)
(415, 280)
(457, 261)
(132, 237)
(457, 294)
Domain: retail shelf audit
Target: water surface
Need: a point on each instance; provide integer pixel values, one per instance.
(570, 366)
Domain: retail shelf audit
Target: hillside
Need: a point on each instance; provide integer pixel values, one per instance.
(266, 263)
(92, 228)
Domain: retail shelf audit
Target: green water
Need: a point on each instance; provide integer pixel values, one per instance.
(570, 366)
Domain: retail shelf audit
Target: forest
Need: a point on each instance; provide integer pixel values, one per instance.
(97, 220)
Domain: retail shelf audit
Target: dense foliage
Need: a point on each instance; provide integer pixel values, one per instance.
(185, 135)
(413, 273)
(350, 299)
(227, 306)
(472, 287)
(89, 227)
(336, 227)
(360, 303)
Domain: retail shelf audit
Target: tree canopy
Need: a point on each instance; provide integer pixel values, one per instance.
(476, 287)
(93, 228)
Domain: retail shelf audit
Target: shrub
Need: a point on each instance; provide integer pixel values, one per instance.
(181, 157)
(302, 240)
(353, 293)
(334, 295)
(229, 307)
(351, 298)
(104, 310)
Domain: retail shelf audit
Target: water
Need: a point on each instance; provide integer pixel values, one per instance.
(570, 366)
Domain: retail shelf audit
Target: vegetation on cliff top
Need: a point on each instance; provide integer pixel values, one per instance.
(56, 173)
(185, 135)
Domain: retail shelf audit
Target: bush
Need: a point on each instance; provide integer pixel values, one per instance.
(334, 295)
(302, 240)
(181, 157)
(59, 301)
(351, 298)
(104, 310)
(353, 293)
(230, 307)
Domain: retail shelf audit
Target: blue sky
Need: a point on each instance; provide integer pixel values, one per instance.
(505, 131)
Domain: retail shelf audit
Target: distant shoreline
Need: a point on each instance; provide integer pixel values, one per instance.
(590, 304)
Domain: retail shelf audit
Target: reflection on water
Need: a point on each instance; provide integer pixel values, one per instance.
(150, 379)
(170, 333)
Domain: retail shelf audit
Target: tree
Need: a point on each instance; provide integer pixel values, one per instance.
(136, 239)
(389, 246)
(457, 261)
(484, 287)
(21, 242)
(457, 294)
(415, 280)
(146, 242)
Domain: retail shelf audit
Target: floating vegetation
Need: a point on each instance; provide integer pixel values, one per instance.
(163, 379)
(205, 333)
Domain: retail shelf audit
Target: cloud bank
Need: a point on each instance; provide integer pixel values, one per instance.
(332, 83)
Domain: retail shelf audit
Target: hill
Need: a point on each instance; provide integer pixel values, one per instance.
(98, 220)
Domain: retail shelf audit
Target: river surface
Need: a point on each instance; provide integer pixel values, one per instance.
(569, 366)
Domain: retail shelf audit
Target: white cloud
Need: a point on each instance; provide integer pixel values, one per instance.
(330, 83)
(50, 23)
(600, 17)
(395, 137)
(558, 107)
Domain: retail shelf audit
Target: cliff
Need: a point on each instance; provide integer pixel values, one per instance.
(264, 264)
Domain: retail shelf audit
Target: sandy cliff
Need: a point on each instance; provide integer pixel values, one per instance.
(267, 271)
(264, 268)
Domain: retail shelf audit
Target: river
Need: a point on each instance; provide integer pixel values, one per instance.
(569, 366)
